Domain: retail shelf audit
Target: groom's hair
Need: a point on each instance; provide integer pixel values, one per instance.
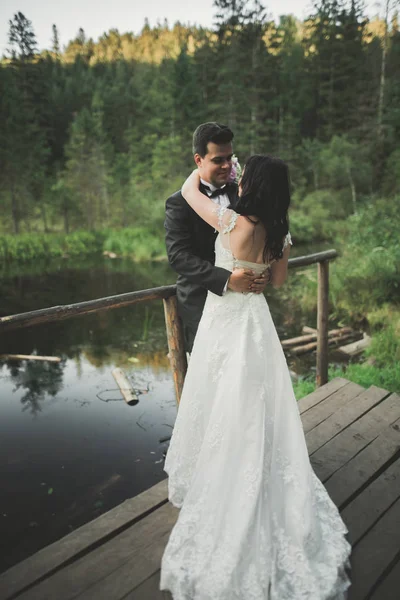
(210, 132)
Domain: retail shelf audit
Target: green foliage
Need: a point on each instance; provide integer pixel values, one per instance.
(385, 345)
(344, 166)
(383, 356)
(139, 243)
(301, 226)
(316, 215)
(387, 377)
(391, 183)
(32, 246)
(381, 367)
(303, 387)
(368, 272)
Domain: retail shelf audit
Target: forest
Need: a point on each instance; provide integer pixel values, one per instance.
(97, 134)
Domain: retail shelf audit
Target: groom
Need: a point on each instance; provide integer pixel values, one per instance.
(190, 240)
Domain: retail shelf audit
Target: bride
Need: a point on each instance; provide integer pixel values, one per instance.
(255, 522)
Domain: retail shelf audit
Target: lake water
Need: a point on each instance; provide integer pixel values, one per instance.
(70, 447)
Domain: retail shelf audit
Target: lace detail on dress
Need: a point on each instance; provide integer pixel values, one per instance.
(288, 240)
(226, 219)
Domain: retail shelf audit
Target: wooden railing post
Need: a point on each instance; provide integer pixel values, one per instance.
(176, 344)
(322, 323)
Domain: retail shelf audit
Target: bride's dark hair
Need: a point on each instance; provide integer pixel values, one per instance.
(266, 195)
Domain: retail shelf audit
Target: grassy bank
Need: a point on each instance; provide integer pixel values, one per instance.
(138, 243)
(364, 292)
(380, 366)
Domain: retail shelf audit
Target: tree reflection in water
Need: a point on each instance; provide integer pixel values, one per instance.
(39, 379)
(107, 338)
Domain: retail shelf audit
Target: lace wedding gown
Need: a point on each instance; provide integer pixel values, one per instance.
(255, 522)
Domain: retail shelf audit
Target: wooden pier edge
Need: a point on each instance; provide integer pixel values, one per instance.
(76, 544)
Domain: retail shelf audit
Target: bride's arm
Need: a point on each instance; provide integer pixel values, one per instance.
(279, 268)
(201, 204)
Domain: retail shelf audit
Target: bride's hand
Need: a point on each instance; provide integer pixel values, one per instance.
(191, 184)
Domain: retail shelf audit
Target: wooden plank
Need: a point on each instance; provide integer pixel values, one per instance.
(176, 344)
(347, 480)
(343, 417)
(55, 555)
(362, 513)
(88, 571)
(149, 590)
(321, 393)
(132, 574)
(388, 589)
(322, 323)
(371, 557)
(125, 386)
(329, 406)
(343, 447)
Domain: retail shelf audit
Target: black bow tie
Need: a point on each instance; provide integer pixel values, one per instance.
(217, 192)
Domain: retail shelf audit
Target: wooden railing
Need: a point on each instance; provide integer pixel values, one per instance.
(173, 325)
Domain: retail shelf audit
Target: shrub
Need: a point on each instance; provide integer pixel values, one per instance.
(33, 246)
(140, 243)
(368, 273)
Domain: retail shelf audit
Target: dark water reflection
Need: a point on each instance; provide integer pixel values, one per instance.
(70, 447)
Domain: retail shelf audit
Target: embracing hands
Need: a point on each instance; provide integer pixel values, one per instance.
(245, 281)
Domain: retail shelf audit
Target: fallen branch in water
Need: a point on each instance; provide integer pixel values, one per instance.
(125, 387)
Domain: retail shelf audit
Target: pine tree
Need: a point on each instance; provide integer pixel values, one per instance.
(86, 174)
(24, 155)
(22, 38)
(55, 44)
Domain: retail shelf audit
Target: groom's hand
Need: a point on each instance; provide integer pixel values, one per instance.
(259, 284)
(241, 280)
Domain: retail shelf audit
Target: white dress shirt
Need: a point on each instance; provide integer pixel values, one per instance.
(222, 199)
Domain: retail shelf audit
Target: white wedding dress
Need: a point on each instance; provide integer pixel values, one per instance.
(255, 522)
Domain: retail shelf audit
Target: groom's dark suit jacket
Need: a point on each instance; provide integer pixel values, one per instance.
(190, 248)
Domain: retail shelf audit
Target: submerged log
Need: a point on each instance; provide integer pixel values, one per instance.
(124, 385)
(56, 359)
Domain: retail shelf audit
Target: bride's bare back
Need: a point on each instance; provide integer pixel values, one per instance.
(245, 238)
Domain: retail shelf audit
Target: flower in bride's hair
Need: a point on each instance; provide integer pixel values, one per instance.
(236, 170)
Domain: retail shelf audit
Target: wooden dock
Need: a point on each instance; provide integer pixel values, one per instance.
(353, 437)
